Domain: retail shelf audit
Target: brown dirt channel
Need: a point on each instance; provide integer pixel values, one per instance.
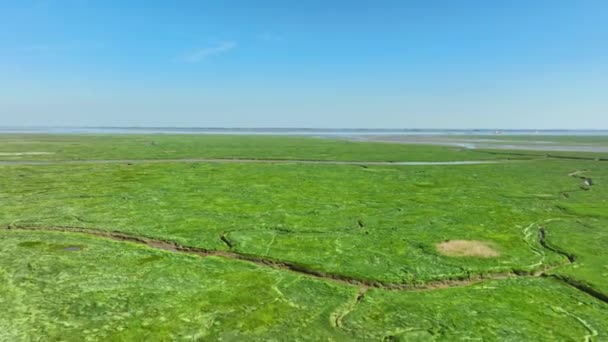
(303, 270)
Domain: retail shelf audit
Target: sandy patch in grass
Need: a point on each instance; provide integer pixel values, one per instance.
(460, 248)
(25, 153)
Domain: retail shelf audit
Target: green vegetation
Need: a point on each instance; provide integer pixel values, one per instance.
(513, 309)
(74, 147)
(108, 290)
(370, 225)
(105, 290)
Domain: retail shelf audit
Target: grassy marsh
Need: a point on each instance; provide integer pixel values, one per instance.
(74, 147)
(378, 224)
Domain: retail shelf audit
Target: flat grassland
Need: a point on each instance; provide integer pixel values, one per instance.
(158, 237)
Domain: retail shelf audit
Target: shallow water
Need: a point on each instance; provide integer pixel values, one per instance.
(488, 144)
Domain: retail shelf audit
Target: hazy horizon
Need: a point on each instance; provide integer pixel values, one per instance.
(275, 64)
(497, 130)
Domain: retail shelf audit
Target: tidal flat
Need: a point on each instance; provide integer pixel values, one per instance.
(168, 237)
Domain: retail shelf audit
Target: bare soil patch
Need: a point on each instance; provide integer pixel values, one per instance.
(462, 248)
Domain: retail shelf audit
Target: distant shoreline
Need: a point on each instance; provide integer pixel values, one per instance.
(298, 131)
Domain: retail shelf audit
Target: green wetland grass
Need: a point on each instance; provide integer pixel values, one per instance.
(298, 251)
(111, 290)
(95, 147)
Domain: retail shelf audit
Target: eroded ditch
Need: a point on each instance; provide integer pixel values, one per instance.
(278, 264)
(539, 271)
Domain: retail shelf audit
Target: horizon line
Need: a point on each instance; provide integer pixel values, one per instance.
(260, 128)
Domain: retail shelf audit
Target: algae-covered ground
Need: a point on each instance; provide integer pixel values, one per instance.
(210, 250)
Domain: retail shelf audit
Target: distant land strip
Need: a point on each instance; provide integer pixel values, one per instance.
(244, 160)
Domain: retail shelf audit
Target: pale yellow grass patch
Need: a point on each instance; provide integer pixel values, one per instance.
(462, 248)
(25, 153)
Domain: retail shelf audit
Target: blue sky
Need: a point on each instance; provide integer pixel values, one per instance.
(375, 64)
